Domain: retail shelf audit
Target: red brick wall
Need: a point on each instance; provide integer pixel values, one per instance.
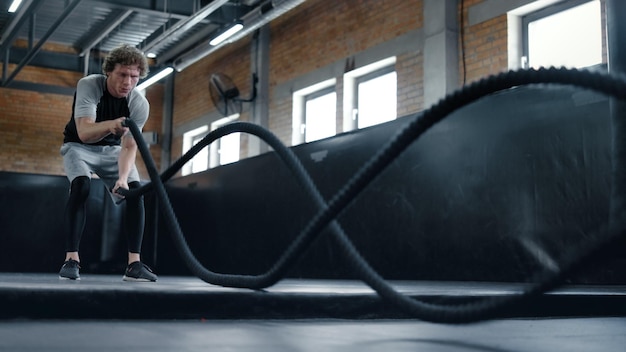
(409, 68)
(484, 49)
(31, 131)
(31, 123)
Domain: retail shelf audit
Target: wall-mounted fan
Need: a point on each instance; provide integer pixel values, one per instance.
(225, 94)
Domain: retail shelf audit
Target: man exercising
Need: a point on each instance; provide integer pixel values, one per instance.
(96, 142)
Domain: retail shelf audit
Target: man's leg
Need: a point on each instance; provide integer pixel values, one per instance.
(135, 224)
(75, 217)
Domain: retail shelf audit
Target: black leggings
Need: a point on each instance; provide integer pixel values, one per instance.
(76, 214)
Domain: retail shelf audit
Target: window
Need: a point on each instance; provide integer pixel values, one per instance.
(320, 115)
(200, 161)
(567, 34)
(225, 150)
(370, 95)
(314, 112)
(376, 97)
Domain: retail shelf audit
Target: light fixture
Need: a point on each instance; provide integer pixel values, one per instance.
(157, 77)
(14, 5)
(226, 34)
(253, 21)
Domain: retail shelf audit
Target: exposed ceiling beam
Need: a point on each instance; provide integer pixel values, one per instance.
(115, 20)
(11, 30)
(252, 21)
(178, 9)
(181, 46)
(179, 42)
(184, 25)
(62, 18)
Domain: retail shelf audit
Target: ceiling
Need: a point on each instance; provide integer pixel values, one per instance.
(172, 30)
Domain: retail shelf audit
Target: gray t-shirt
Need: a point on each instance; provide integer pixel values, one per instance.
(93, 100)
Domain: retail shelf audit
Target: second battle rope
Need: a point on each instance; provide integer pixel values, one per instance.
(328, 211)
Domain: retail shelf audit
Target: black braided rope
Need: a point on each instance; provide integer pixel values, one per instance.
(328, 211)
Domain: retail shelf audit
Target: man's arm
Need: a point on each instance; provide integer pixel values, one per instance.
(90, 131)
(126, 161)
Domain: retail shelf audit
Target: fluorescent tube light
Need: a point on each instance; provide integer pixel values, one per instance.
(150, 81)
(232, 30)
(14, 5)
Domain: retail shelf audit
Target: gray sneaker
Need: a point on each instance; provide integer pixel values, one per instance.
(70, 270)
(138, 271)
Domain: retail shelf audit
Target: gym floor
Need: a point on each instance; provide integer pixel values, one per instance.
(102, 313)
(543, 334)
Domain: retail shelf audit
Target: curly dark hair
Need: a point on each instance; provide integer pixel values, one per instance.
(126, 55)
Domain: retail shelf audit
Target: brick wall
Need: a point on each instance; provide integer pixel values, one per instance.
(31, 131)
(192, 99)
(409, 68)
(319, 33)
(484, 48)
(32, 123)
(314, 35)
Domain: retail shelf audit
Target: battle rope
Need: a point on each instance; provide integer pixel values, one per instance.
(476, 310)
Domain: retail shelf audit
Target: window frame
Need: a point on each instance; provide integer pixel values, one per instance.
(351, 82)
(368, 77)
(215, 155)
(299, 98)
(189, 138)
(538, 14)
(312, 96)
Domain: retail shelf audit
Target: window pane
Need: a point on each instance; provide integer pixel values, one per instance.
(571, 38)
(229, 148)
(377, 100)
(200, 161)
(320, 116)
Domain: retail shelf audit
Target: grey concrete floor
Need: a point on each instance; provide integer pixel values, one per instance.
(570, 334)
(307, 312)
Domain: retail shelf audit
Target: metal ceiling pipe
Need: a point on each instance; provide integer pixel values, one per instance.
(255, 19)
